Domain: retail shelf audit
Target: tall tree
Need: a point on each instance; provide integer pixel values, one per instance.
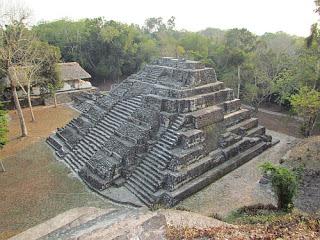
(306, 103)
(13, 48)
(23, 58)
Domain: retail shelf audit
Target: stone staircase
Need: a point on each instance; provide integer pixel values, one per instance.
(83, 106)
(153, 75)
(148, 177)
(97, 135)
(96, 223)
(238, 144)
(121, 142)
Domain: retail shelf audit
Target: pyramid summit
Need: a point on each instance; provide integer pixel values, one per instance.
(162, 134)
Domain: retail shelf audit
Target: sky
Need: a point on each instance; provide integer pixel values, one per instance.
(259, 16)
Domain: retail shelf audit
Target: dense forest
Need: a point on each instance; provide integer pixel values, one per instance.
(274, 65)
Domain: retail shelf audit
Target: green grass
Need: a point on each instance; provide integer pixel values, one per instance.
(37, 187)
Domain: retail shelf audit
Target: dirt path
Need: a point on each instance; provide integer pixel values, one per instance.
(241, 187)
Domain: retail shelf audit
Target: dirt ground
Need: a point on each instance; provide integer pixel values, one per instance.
(35, 186)
(48, 119)
(286, 125)
(280, 121)
(307, 155)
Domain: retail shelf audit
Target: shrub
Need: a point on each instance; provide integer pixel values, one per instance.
(284, 183)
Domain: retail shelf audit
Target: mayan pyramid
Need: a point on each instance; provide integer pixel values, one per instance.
(163, 133)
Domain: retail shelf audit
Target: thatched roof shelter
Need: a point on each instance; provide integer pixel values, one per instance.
(68, 72)
(72, 71)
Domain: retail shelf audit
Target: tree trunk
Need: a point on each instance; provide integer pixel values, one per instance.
(30, 105)
(55, 100)
(239, 82)
(24, 131)
(2, 166)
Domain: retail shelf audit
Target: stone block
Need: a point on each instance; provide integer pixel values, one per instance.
(207, 116)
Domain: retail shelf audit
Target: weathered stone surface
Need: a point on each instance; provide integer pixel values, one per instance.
(163, 133)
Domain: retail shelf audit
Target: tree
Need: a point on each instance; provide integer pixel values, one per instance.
(3, 130)
(284, 183)
(240, 43)
(3, 126)
(24, 57)
(14, 45)
(306, 104)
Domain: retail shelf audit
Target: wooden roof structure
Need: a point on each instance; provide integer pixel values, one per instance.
(68, 71)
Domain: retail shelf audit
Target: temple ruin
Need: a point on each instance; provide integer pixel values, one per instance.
(163, 133)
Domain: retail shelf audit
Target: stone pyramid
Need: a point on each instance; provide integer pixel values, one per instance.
(163, 133)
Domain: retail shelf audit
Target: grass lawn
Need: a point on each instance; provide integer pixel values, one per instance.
(35, 186)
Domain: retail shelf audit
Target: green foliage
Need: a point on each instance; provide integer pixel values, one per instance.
(284, 183)
(272, 66)
(306, 103)
(3, 127)
(107, 49)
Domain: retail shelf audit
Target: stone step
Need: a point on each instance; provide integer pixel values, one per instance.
(231, 106)
(89, 140)
(214, 174)
(99, 135)
(54, 143)
(228, 140)
(166, 143)
(104, 133)
(144, 169)
(110, 122)
(133, 105)
(88, 147)
(169, 139)
(156, 161)
(161, 152)
(175, 128)
(195, 169)
(119, 114)
(105, 129)
(85, 157)
(155, 169)
(124, 112)
(134, 102)
(89, 143)
(126, 106)
(114, 118)
(140, 193)
(162, 148)
(87, 150)
(171, 135)
(244, 125)
(216, 98)
(80, 223)
(180, 118)
(143, 181)
(240, 146)
(236, 117)
(259, 130)
(94, 138)
(173, 132)
(160, 156)
(76, 165)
